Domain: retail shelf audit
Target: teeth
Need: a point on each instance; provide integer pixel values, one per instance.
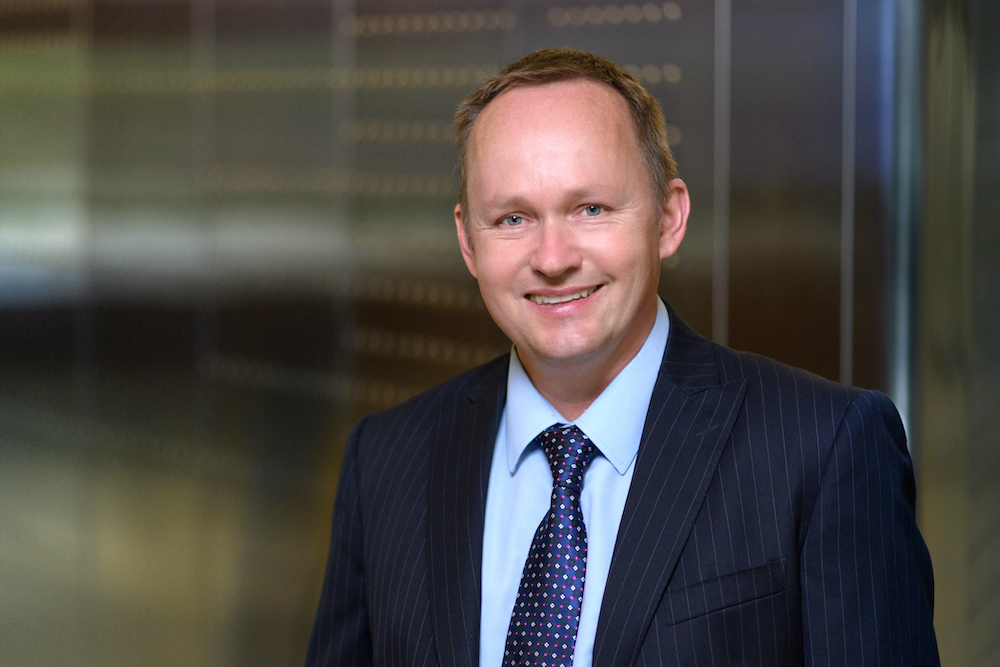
(550, 300)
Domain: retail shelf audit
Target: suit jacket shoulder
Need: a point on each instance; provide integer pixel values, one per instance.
(768, 516)
(389, 434)
(403, 575)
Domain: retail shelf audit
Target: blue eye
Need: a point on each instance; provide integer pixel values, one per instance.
(512, 220)
(593, 210)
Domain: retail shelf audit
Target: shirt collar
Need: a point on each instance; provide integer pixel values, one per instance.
(614, 421)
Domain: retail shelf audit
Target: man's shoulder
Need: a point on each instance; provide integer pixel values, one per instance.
(689, 353)
(798, 392)
(791, 391)
(790, 413)
(770, 373)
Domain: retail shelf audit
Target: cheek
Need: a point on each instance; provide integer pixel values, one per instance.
(495, 289)
(624, 256)
(498, 268)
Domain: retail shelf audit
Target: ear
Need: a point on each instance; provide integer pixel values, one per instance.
(676, 208)
(464, 242)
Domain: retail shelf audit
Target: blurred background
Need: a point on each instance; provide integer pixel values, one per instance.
(226, 233)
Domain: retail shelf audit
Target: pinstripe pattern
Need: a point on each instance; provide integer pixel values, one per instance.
(769, 522)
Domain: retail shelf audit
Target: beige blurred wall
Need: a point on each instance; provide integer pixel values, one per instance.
(959, 327)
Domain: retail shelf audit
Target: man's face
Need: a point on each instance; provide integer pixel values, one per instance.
(564, 234)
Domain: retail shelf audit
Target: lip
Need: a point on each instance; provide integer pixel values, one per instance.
(552, 298)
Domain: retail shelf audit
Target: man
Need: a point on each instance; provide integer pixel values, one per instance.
(618, 490)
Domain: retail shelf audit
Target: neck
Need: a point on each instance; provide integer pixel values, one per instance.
(570, 392)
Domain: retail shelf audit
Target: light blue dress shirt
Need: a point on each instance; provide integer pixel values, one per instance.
(520, 488)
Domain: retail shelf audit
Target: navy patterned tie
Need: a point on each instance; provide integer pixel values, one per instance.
(547, 612)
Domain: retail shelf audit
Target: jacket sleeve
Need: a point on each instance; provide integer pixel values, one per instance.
(867, 586)
(340, 636)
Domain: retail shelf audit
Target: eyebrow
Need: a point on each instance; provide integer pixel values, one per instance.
(517, 201)
(504, 203)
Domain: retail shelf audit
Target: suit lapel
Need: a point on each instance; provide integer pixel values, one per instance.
(459, 475)
(690, 417)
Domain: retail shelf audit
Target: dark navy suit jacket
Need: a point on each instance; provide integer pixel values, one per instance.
(769, 522)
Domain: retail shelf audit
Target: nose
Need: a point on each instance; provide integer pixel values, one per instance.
(557, 250)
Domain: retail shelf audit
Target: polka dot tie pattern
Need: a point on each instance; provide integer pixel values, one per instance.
(547, 612)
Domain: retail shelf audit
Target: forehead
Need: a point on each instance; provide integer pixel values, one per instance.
(578, 105)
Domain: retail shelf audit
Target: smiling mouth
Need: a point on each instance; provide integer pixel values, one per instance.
(543, 300)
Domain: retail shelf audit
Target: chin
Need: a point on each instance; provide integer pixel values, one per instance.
(564, 353)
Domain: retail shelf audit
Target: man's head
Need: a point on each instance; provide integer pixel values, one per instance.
(553, 65)
(562, 230)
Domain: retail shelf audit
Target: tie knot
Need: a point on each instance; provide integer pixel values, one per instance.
(569, 452)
